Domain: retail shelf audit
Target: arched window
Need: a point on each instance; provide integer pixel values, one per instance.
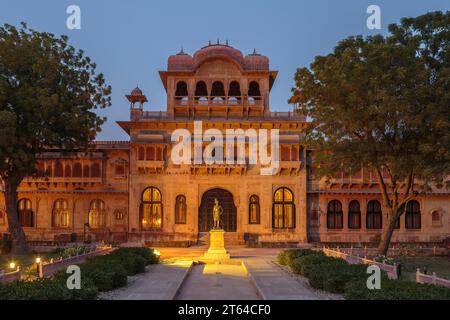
(26, 214)
(253, 90)
(436, 218)
(68, 171)
(141, 153)
(180, 209)
(77, 170)
(61, 214)
(374, 215)
(283, 210)
(181, 91)
(86, 171)
(95, 171)
(334, 215)
(254, 210)
(285, 153)
(412, 215)
(217, 89)
(151, 209)
(59, 172)
(97, 214)
(234, 90)
(48, 170)
(159, 154)
(120, 170)
(150, 153)
(354, 215)
(201, 90)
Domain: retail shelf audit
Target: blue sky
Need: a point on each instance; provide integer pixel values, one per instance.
(131, 40)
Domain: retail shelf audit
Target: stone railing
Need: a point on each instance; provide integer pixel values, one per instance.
(11, 276)
(47, 269)
(433, 279)
(391, 270)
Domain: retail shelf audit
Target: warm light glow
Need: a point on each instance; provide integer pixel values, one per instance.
(12, 265)
(156, 252)
(38, 260)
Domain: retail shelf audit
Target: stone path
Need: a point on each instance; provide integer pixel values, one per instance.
(160, 282)
(217, 282)
(273, 283)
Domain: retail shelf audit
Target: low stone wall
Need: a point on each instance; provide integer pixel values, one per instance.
(391, 270)
(50, 268)
(433, 279)
(10, 277)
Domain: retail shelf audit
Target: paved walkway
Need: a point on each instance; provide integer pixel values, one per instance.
(160, 282)
(217, 282)
(276, 284)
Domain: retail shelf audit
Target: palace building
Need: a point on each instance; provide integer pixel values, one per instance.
(132, 191)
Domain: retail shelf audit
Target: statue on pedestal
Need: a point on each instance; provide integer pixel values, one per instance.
(217, 212)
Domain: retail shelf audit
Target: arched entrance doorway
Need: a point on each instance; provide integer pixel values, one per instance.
(205, 218)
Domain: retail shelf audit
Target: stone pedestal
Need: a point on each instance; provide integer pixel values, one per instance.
(216, 249)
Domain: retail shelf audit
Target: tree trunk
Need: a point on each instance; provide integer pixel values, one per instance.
(386, 235)
(19, 240)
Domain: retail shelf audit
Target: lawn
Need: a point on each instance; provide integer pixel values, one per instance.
(438, 264)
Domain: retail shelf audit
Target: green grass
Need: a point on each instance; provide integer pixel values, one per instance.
(438, 264)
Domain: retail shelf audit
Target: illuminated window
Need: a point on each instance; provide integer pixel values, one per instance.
(412, 215)
(254, 210)
(97, 214)
(26, 214)
(180, 209)
(334, 215)
(151, 209)
(61, 214)
(374, 215)
(354, 215)
(283, 210)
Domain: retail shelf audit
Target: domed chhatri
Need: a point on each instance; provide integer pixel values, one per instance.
(185, 62)
(136, 95)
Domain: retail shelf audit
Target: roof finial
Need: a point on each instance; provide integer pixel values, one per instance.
(209, 42)
(218, 41)
(226, 42)
(254, 50)
(182, 50)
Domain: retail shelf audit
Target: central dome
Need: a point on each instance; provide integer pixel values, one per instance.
(185, 62)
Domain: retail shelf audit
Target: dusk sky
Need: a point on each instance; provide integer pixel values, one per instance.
(131, 40)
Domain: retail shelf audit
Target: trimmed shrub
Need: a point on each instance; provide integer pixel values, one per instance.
(47, 289)
(305, 265)
(333, 277)
(396, 290)
(286, 257)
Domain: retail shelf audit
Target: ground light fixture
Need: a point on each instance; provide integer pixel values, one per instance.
(12, 265)
(156, 252)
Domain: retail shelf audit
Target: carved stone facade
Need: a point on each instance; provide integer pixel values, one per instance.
(133, 191)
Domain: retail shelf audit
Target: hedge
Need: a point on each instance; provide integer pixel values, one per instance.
(286, 257)
(307, 264)
(99, 273)
(337, 276)
(396, 290)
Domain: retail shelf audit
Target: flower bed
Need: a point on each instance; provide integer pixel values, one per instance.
(99, 273)
(337, 276)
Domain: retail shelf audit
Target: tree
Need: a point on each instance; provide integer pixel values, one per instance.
(48, 95)
(383, 103)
